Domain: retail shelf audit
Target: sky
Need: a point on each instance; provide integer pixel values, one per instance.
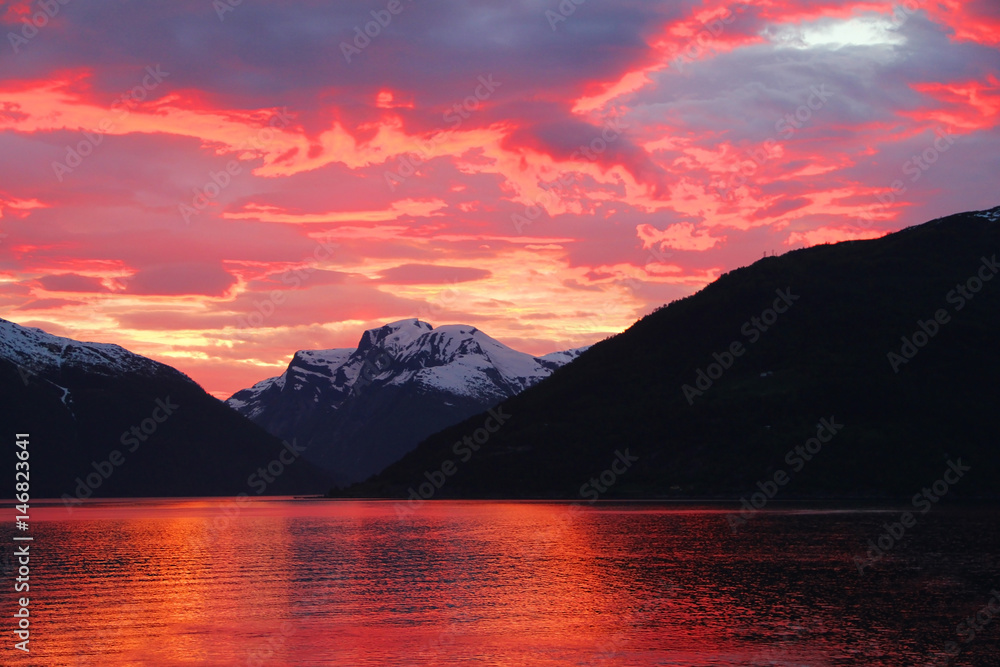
(217, 184)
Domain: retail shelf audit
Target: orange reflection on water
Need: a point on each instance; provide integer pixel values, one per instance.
(278, 581)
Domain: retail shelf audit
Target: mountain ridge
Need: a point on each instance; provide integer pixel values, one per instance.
(106, 422)
(425, 378)
(809, 364)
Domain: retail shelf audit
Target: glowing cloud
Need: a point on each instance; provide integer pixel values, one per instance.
(447, 174)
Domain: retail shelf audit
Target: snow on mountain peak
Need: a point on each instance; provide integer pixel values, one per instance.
(993, 214)
(38, 351)
(359, 410)
(457, 359)
(563, 357)
(394, 336)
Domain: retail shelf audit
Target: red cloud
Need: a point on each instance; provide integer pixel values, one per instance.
(681, 236)
(181, 280)
(49, 304)
(71, 282)
(968, 106)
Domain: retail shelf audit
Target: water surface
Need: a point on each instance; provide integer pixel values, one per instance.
(282, 581)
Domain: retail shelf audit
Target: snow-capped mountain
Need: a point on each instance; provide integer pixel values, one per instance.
(36, 351)
(362, 409)
(107, 422)
(46, 358)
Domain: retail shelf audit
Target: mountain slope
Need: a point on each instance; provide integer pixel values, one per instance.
(360, 410)
(715, 392)
(81, 402)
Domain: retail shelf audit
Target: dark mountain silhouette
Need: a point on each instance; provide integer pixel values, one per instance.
(104, 422)
(893, 342)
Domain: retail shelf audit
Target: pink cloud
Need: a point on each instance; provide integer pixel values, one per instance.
(430, 274)
(71, 282)
(49, 304)
(181, 279)
(830, 235)
(680, 236)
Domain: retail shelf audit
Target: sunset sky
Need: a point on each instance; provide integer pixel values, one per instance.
(216, 186)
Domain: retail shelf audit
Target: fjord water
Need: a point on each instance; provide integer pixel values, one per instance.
(282, 581)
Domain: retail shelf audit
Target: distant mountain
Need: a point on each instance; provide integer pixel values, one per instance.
(359, 410)
(856, 369)
(104, 422)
